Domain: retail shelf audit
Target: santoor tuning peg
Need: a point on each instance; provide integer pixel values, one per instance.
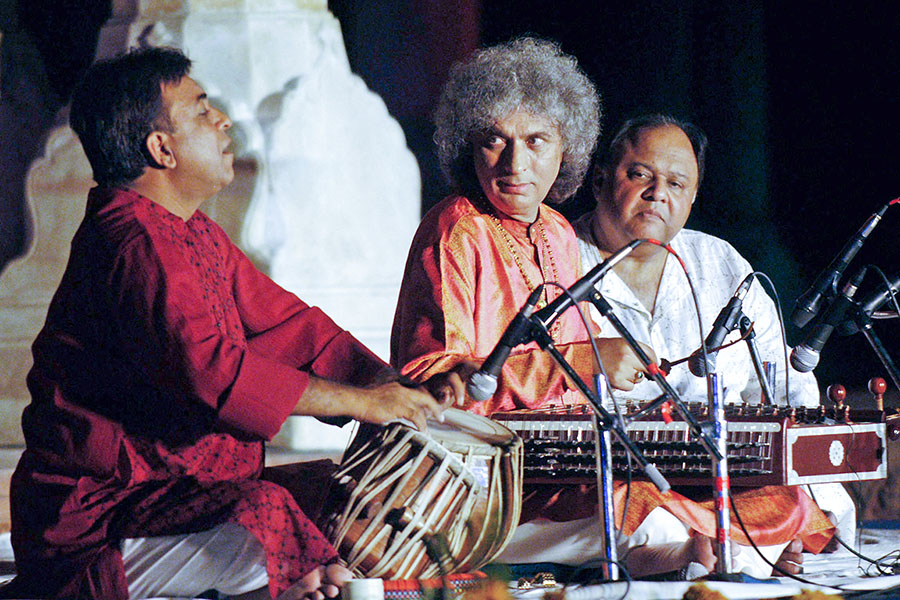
(878, 386)
(837, 394)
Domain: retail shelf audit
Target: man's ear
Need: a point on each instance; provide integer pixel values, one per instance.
(159, 151)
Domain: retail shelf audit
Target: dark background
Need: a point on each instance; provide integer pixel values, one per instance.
(799, 102)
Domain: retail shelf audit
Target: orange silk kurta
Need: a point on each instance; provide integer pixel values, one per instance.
(461, 288)
(772, 514)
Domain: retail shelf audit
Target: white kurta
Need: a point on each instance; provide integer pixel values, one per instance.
(716, 270)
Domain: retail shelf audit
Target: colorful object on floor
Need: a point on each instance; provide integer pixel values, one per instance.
(699, 591)
(414, 589)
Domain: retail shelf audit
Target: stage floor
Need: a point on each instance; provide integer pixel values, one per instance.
(840, 573)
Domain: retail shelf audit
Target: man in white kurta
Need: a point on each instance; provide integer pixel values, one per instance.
(671, 329)
(716, 270)
(645, 189)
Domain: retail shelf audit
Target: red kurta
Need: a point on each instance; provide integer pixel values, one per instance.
(166, 359)
(463, 286)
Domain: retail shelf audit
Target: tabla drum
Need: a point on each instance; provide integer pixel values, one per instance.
(414, 505)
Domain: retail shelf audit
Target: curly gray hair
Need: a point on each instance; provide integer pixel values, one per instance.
(528, 74)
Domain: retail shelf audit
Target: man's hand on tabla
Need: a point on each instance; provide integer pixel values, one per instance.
(390, 402)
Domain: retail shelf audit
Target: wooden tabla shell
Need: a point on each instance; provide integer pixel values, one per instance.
(456, 488)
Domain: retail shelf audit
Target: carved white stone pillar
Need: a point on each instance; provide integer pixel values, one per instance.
(57, 188)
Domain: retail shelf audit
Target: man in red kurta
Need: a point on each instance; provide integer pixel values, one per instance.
(167, 359)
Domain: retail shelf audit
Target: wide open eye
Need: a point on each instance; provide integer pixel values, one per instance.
(492, 141)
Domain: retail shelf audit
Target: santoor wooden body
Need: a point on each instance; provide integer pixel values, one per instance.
(766, 446)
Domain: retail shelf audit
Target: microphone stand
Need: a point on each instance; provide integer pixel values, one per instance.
(603, 459)
(721, 485)
(864, 321)
(715, 445)
(750, 337)
(604, 423)
(597, 299)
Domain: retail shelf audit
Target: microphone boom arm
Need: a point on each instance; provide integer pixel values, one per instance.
(605, 420)
(597, 299)
(750, 338)
(863, 322)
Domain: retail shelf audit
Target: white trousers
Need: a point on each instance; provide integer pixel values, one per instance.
(226, 558)
(578, 542)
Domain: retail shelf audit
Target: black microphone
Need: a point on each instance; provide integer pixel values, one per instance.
(805, 357)
(581, 288)
(483, 383)
(727, 320)
(866, 307)
(809, 304)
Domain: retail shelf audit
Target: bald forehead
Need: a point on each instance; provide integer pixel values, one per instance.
(667, 145)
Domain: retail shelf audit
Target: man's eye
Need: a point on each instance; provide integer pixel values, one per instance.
(677, 185)
(637, 175)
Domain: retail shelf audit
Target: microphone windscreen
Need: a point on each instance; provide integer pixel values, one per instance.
(804, 359)
(481, 386)
(700, 367)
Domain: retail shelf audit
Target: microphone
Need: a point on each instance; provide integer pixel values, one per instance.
(581, 288)
(805, 357)
(726, 321)
(866, 307)
(809, 304)
(483, 383)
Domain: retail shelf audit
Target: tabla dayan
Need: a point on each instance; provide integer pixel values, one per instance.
(420, 505)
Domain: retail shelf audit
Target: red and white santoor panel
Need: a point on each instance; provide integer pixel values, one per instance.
(766, 445)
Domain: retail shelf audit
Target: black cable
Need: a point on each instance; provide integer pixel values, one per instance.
(885, 569)
(844, 544)
(775, 568)
(784, 345)
(628, 578)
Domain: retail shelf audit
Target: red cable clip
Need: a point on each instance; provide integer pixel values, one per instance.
(666, 410)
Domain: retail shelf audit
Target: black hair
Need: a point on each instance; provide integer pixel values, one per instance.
(117, 104)
(631, 131)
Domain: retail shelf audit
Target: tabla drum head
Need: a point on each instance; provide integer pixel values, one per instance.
(462, 429)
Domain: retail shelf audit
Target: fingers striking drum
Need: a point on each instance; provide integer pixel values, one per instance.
(418, 505)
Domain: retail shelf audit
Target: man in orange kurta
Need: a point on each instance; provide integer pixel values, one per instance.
(462, 286)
